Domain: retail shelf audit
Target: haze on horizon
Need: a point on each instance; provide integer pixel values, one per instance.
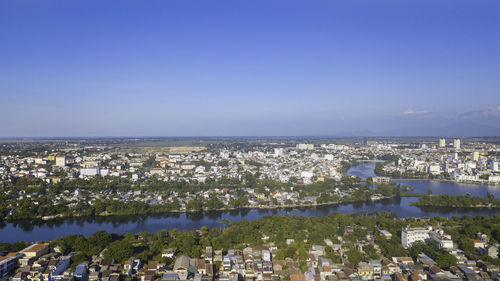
(243, 68)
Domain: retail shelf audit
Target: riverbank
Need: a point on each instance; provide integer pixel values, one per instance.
(457, 201)
(34, 230)
(205, 210)
(446, 180)
(416, 204)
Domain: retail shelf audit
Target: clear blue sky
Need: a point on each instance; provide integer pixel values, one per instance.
(253, 67)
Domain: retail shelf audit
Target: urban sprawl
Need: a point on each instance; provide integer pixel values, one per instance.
(48, 179)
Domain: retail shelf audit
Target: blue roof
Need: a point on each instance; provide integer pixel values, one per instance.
(80, 269)
(465, 269)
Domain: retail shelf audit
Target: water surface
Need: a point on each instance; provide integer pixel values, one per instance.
(47, 230)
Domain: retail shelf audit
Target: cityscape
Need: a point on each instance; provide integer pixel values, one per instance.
(238, 140)
(49, 180)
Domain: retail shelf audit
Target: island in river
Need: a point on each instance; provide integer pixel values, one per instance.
(458, 201)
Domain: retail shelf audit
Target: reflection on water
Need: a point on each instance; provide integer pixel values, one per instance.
(35, 230)
(363, 171)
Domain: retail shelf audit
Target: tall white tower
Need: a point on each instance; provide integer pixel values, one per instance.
(442, 142)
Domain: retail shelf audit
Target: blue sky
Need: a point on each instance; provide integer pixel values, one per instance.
(253, 67)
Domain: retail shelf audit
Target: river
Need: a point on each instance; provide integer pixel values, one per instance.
(47, 230)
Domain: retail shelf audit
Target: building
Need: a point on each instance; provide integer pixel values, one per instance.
(386, 234)
(168, 253)
(7, 265)
(442, 143)
(305, 146)
(61, 266)
(381, 179)
(368, 142)
(475, 156)
(32, 252)
(411, 235)
(434, 169)
(81, 272)
(494, 178)
(493, 165)
(443, 240)
(456, 143)
(365, 271)
(278, 152)
(181, 265)
(89, 172)
(60, 160)
(35, 250)
(52, 157)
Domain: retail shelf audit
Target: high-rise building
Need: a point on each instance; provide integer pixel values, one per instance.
(60, 160)
(493, 165)
(456, 143)
(442, 142)
(475, 156)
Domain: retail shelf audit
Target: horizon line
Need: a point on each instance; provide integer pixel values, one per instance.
(235, 136)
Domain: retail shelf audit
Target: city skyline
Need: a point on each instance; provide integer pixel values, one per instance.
(260, 68)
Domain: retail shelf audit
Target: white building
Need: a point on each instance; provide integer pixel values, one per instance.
(494, 178)
(278, 152)
(60, 160)
(442, 142)
(475, 156)
(386, 234)
(434, 169)
(411, 235)
(90, 172)
(306, 174)
(493, 165)
(456, 143)
(40, 161)
(381, 179)
(304, 146)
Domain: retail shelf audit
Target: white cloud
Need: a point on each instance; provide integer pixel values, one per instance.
(413, 112)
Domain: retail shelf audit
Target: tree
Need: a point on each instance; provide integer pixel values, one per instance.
(466, 245)
(290, 252)
(78, 258)
(445, 260)
(354, 256)
(370, 251)
(214, 203)
(120, 251)
(99, 239)
(194, 205)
